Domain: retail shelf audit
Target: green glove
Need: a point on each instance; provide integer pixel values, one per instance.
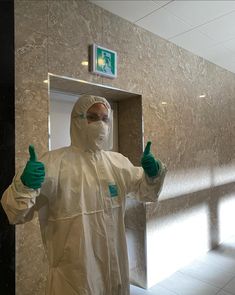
(148, 162)
(34, 171)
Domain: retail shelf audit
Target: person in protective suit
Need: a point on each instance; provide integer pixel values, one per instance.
(81, 192)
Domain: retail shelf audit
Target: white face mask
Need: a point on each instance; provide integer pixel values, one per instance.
(97, 135)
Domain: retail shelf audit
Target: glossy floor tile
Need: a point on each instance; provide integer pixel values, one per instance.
(223, 293)
(210, 274)
(155, 290)
(230, 287)
(187, 285)
(216, 276)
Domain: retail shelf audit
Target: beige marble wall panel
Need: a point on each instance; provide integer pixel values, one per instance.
(135, 221)
(130, 138)
(30, 41)
(31, 116)
(30, 16)
(137, 257)
(135, 218)
(195, 135)
(225, 214)
(128, 49)
(31, 264)
(72, 27)
(130, 129)
(30, 72)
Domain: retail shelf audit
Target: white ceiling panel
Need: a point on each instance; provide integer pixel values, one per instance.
(161, 3)
(229, 67)
(194, 41)
(163, 23)
(130, 10)
(221, 29)
(230, 44)
(200, 12)
(219, 54)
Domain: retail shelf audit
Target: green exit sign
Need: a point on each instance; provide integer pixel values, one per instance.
(103, 61)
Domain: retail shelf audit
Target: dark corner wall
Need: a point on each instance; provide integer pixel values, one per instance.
(7, 142)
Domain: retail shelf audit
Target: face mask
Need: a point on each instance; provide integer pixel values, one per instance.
(97, 135)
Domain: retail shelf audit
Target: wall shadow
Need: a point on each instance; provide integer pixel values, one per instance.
(183, 203)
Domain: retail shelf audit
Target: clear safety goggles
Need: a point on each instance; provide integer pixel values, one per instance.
(94, 117)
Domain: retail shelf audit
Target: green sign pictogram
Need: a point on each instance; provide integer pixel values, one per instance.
(103, 61)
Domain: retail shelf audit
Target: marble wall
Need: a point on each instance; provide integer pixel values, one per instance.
(7, 142)
(193, 136)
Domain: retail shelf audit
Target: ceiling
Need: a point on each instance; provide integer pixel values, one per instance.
(205, 28)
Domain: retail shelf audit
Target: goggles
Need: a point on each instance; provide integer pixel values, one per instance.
(94, 117)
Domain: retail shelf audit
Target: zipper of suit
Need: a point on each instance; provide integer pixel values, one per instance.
(95, 158)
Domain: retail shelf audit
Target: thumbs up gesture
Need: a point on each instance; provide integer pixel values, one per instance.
(34, 171)
(148, 162)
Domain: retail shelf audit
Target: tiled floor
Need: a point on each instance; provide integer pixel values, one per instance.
(211, 274)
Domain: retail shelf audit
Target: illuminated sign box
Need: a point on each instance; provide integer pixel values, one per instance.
(103, 61)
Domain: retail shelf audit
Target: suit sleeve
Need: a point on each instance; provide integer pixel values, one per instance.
(142, 187)
(18, 201)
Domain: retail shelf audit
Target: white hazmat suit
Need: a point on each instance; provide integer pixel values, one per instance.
(82, 217)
